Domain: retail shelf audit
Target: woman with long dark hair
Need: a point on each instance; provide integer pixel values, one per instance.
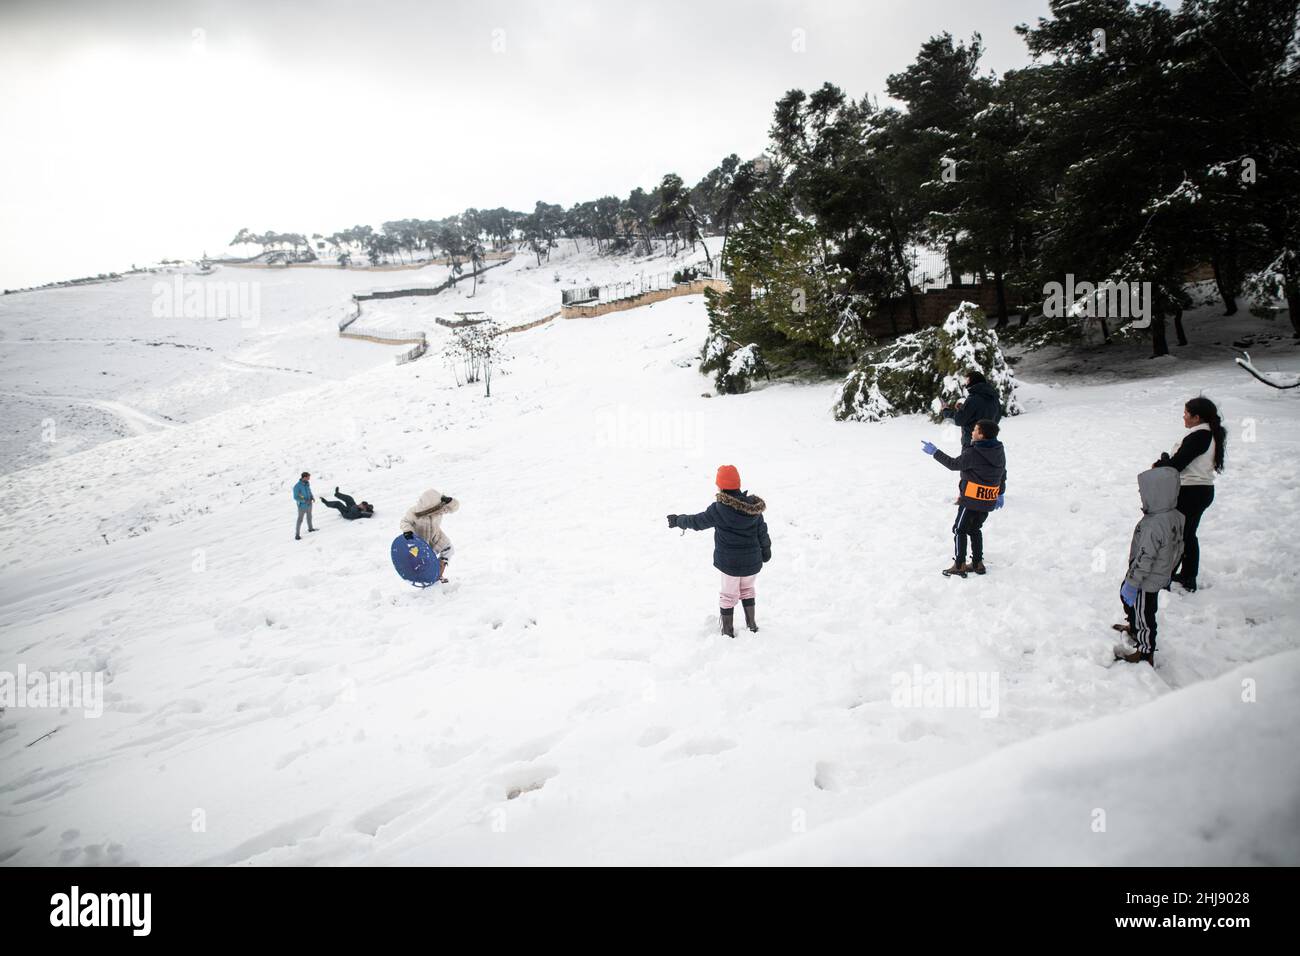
(1198, 457)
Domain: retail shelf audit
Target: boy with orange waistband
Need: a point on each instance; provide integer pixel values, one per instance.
(983, 485)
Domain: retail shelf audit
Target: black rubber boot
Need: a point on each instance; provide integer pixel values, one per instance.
(728, 616)
(748, 605)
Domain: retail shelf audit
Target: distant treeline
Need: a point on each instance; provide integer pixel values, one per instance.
(1138, 143)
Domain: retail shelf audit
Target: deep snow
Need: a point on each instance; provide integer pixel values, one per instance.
(89, 364)
(565, 698)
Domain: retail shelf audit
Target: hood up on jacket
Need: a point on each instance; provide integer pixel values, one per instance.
(430, 503)
(1159, 490)
(985, 389)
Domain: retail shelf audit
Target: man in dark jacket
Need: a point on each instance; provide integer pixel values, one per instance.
(741, 545)
(982, 485)
(347, 506)
(982, 403)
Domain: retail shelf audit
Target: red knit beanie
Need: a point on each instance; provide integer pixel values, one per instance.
(728, 478)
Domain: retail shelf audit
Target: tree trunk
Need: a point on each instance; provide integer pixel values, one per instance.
(1002, 298)
(1221, 283)
(1159, 343)
(698, 234)
(1291, 289)
(902, 271)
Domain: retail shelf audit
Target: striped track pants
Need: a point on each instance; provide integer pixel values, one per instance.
(968, 523)
(1142, 619)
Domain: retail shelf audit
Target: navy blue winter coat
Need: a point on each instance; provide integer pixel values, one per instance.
(740, 542)
(983, 467)
(982, 402)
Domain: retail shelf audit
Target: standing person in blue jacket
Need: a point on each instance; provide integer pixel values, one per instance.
(982, 404)
(303, 496)
(741, 545)
(982, 486)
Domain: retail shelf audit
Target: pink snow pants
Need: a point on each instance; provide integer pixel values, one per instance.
(734, 590)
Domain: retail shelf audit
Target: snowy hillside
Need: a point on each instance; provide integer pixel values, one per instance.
(565, 698)
(115, 359)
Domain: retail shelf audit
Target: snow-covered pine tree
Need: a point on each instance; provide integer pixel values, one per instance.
(925, 370)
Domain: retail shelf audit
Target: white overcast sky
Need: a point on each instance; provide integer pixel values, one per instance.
(138, 130)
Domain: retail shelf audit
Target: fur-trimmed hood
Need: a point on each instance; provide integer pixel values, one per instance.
(745, 503)
(425, 519)
(431, 503)
(740, 541)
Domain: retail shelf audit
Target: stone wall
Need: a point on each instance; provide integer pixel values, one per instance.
(531, 325)
(694, 287)
(397, 338)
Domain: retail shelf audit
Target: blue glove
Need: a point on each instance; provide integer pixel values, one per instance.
(1002, 500)
(928, 448)
(1128, 593)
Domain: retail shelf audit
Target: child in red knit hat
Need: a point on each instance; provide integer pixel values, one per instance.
(740, 544)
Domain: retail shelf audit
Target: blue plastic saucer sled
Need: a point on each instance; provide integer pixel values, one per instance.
(416, 561)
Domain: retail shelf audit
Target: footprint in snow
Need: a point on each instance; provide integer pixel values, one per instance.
(702, 747)
(826, 776)
(653, 735)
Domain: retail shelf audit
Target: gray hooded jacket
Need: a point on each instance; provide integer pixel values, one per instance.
(1158, 538)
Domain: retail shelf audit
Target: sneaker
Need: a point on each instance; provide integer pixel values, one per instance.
(297, 537)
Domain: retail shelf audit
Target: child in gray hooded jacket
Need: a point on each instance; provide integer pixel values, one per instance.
(1156, 548)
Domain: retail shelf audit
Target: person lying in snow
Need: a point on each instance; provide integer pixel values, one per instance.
(741, 545)
(347, 506)
(424, 519)
(1156, 547)
(982, 486)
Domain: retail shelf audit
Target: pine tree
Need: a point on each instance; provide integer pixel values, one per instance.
(777, 298)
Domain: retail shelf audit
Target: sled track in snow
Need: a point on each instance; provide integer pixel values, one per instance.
(140, 423)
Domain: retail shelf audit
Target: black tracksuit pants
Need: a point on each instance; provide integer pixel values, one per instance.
(1142, 619)
(968, 524)
(1193, 500)
(349, 507)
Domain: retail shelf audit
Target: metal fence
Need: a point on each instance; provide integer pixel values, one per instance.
(642, 284)
(933, 271)
(585, 293)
